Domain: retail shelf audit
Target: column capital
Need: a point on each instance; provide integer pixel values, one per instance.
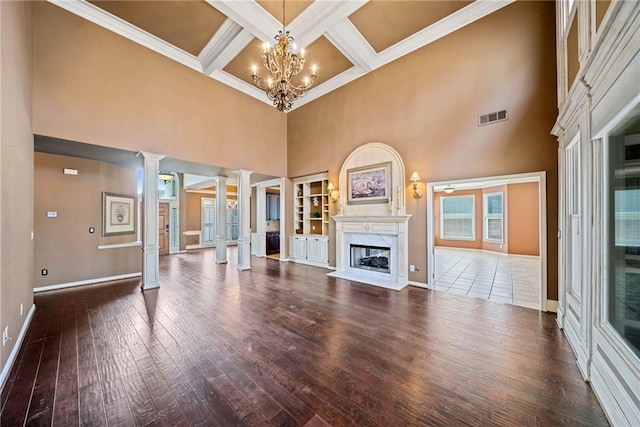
(220, 179)
(243, 172)
(151, 156)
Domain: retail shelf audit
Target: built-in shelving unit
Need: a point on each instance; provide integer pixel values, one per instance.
(310, 242)
(311, 205)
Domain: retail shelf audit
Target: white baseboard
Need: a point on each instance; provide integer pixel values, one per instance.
(418, 284)
(16, 348)
(86, 282)
(552, 305)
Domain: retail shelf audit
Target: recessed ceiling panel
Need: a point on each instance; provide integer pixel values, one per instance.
(384, 23)
(292, 8)
(188, 25)
(329, 61)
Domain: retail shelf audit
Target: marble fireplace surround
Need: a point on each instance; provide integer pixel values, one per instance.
(386, 231)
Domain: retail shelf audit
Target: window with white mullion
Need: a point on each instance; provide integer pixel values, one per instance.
(457, 218)
(493, 206)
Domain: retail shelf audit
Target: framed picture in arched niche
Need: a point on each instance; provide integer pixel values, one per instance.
(118, 214)
(369, 184)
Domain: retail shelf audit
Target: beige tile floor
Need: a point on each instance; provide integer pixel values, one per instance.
(513, 279)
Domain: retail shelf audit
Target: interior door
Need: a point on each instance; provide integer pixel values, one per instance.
(163, 228)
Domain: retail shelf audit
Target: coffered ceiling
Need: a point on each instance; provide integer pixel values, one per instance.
(223, 38)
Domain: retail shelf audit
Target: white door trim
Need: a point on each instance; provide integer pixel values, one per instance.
(540, 178)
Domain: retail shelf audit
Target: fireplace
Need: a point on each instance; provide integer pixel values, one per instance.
(372, 249)
(373, 258)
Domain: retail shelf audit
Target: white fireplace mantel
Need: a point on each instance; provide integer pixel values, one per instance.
(388, 231)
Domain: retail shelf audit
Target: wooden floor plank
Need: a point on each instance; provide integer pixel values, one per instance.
(283, 344)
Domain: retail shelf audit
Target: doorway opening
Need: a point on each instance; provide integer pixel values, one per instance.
(269, 238)
(487, 238)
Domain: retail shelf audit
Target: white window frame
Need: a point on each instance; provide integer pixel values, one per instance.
(473, 218)
(486, 217)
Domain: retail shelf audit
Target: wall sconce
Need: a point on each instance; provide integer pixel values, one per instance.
(417, 193)
(334, 195)
(448, 189)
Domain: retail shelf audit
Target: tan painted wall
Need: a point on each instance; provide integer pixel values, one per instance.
(63, 245)
(140, 100)
(467, 244)
(426, 104)
(16, 169)
(523, 219)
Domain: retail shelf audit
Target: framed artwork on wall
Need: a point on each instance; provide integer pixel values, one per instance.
(118, 214)
(369, 184)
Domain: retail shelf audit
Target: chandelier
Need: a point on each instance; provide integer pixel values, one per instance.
(283, 64)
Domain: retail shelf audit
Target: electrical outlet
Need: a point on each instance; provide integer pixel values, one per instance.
(412, 268)
(5, 335)
(21, 308)
(44, 272)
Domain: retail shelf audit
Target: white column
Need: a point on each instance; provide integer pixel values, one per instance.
(150, 243)
(221, 220)
(283, 221)
(244, 235)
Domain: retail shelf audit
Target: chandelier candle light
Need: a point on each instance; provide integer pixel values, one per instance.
(283, 64)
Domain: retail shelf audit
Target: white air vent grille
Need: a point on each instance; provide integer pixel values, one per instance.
(498, 116)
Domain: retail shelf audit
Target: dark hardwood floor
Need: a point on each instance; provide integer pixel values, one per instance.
(285, 345)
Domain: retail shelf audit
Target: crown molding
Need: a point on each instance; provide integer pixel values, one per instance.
(238, 84)
(247, 19)
(121, 27)
(340, 80)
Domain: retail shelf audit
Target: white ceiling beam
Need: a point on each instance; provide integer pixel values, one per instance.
(346, 37)
(251, 16)
(320, 16)
(218, 45)
(119, 26)
(465, 16)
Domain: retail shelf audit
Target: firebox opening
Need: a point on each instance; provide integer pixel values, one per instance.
(373, 258)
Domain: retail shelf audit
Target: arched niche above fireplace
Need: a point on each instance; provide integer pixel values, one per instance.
(373, 156)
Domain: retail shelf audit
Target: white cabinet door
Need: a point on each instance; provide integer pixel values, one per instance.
(323, 250)
(300, 247)
(313, 248)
